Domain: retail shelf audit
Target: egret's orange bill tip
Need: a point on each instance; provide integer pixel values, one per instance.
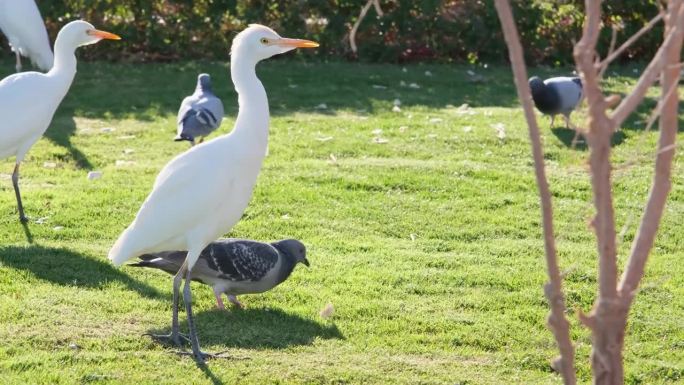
(297, 43)
(104, 34)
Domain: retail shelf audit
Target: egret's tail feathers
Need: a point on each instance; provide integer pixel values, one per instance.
(122, 249)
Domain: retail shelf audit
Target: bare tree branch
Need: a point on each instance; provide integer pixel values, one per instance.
(649, 75)
(553, 289)
(661, 185)
(612, 55)
(362, 15)
(600, 132)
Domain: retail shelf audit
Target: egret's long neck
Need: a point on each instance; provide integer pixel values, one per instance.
(252, 120)
(64, 68)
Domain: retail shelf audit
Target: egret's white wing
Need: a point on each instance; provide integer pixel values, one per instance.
(21, 22)
(20, 124)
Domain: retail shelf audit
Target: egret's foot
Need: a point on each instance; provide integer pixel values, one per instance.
(203, 357)
(178, 339)
(23, 218)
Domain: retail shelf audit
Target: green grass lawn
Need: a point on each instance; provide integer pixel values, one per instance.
(428, 244)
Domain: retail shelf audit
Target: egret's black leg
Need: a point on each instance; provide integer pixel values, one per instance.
(175, 335)
(194, 341)
(199, 355)
(15, 183)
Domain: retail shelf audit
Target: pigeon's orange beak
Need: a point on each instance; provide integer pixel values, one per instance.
(103, 34)
(296, 43)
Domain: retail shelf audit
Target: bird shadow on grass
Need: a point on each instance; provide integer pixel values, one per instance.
(62, 128)
(66, 267)
(257, 329)
(570, 138)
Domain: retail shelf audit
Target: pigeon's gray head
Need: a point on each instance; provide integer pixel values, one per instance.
(293, 249)
(536, 85)
(259, 42)
(204, 82)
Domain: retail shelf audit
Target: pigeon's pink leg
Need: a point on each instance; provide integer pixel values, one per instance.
(233, 299)
(219, 301)
(553, 117)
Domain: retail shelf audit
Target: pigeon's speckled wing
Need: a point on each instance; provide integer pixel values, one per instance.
(569, 92)
(240, 260)
(199, 115)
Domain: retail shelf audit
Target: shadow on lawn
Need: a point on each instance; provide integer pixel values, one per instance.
(567, 136)
(256, 329)
(66, 267)
(60, 131)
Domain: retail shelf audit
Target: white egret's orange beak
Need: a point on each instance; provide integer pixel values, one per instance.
(103, 34)
(295, 43)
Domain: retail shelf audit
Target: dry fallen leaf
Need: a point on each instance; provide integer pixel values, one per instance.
(500, 130)
(467, 128)
(321, 106)
(414, 86)
(107, 129)
(328, 311)
(324, 138)
(93, 175)
(436, 120)
(379, 140)
(377, 131)
(333, 159)
(124, 163)
(49, 165)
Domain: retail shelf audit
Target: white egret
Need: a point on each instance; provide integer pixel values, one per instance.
(28, 100)
(21, 22)
(201, 194)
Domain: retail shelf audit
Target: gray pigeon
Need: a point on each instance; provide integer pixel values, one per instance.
(559, 95)
(200, 113)
(235, 266)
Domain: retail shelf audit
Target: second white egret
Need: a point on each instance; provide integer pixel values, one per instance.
(201, 194)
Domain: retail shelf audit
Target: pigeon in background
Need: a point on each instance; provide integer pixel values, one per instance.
(559, 95)
(200, 113)
(235, 266)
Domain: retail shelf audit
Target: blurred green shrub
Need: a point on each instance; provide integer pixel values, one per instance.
(428, 30)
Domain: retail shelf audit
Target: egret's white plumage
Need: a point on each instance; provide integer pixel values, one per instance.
(21, 22)
(28, 100)
(199, 195)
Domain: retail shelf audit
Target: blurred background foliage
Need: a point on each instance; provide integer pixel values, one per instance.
(428, 30)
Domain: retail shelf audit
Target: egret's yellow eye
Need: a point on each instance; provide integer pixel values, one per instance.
(264, 40)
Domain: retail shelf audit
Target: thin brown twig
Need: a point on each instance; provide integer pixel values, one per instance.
(661, 185)
(362, 15)
(603, 65)
(553, 289)
(647, 78)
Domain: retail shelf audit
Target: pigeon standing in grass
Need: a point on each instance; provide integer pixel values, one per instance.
(200, 113)
(235, 266)
(559, 95)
